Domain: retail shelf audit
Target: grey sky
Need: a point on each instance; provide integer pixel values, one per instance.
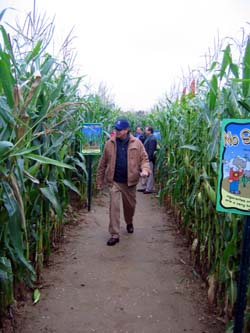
(139, 48)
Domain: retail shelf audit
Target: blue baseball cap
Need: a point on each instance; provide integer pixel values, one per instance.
(121, 124)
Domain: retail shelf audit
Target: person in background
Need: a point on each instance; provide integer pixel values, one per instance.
(139, 134)
(150, 145)
(123, 162)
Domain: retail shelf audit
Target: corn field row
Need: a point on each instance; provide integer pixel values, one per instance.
(187, 167)
(41, 115)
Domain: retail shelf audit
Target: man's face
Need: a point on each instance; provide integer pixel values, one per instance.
(147, 132)
(138, 130)
(121, 134)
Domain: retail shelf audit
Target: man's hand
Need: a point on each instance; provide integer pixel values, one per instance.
(144, 174)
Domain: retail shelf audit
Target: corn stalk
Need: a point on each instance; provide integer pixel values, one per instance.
(187, 167)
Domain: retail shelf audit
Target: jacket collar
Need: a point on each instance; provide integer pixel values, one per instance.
(131, 139)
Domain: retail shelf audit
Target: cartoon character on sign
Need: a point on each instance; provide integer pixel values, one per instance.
(236, 171)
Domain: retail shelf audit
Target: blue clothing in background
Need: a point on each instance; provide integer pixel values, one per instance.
(150, 145)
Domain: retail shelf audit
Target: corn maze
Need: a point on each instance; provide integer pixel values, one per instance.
(41, 114)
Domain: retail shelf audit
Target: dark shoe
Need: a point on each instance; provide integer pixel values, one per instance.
(147, 192)
(130, 228)
(112, 241)
(141, 190)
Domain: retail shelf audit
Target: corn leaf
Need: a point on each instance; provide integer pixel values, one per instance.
(213, 92)
(244, 105)
(32, 178)
(25, 151)
(7, 82)
(36, 296)
(226, 61)
(15, 230)
(235, 70)
(190, 147)
(2, 13)
(5, 147)
(6, 283)
(246, 70)
(81, 165)
(6, 40)
(5, 111)
(34, 52)
(5, 265)
(70, 185)
(49, 194)
(47, 160)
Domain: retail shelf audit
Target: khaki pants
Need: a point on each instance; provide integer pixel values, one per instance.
(148, 183)
(128, 194)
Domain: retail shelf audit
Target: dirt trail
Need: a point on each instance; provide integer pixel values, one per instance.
(144, 284)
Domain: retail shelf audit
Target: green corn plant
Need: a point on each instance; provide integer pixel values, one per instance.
(187, 167)
(41, 114)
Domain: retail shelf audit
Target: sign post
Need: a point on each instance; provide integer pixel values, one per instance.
(243, 279)
(89, 160)
(233, 196)
(91, 146)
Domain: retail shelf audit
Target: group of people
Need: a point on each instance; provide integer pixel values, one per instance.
(150, 144)
(126, 160)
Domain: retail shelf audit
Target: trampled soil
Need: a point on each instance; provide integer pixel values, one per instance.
(144, 284)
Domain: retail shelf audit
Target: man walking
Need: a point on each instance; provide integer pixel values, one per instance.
(150, 145)
(123, 161)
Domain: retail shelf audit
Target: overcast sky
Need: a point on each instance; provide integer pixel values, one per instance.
(140, 48)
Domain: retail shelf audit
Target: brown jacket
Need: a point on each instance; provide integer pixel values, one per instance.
(137, 162)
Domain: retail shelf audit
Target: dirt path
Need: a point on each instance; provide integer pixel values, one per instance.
(141, 285)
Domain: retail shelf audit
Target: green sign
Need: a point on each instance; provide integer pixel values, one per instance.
(91, 138)
(233, 193)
